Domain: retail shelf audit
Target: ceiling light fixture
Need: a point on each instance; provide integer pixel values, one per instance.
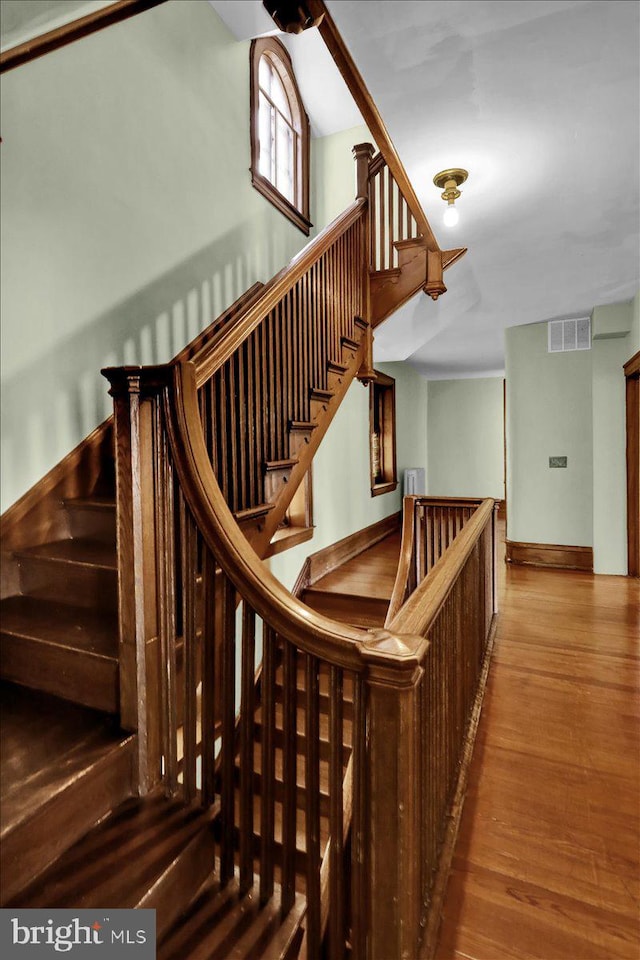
(449, 181)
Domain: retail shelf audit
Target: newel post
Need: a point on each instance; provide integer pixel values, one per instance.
(135, 409)
(393, 796)
(362, 153)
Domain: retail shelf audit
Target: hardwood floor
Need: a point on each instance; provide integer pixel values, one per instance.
(546, 863)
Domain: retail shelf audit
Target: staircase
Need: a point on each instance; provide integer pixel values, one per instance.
(179, 731)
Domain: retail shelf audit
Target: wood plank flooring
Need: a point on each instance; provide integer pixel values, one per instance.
(546, 863)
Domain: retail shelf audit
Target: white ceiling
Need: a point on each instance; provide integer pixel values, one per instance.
(539, 100)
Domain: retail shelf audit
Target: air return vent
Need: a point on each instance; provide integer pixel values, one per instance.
(569, 335)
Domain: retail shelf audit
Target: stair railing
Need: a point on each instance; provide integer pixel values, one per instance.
(218, 660)
(429, 526)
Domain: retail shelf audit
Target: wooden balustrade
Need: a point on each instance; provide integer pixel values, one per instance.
(429, 526)
(252, 401)
(390, 217)
(228, 678)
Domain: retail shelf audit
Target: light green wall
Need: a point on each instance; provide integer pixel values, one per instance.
(330, 157)
(466, 438)
(634, 334)
(612, 347)
(549, 413)
(342, 498)
(129, 220)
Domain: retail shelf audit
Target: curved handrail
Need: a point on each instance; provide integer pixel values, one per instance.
(311, 632)
(399, 593)
(417, 615)
(216, 352)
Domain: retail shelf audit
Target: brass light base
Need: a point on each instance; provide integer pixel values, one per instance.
(449, 181)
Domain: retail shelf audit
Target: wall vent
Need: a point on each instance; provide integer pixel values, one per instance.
(569, 335)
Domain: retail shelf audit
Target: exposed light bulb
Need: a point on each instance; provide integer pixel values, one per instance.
(451, 216)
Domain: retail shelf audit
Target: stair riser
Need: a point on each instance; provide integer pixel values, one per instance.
(91, 524)
(70, 674)
(358, 611)
(80, 584)
(36, 843)
(174, 891)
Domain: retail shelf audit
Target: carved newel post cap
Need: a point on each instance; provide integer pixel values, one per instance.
(291, 16)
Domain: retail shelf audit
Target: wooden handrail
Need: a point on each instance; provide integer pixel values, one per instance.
(407, 545)
(334, 642)
(422, 607)
(219, 349)
(74, 30)
(371, 116)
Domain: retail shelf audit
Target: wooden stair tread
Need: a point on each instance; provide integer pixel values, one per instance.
(45, 744)
(91, 553)
(106, 503)
(224, 925)
(120, 861)
(370, 574)
(79, 628)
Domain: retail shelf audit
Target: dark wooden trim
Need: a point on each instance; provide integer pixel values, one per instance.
(632, 401)
(288, 537)
(436, 902)
(333, 556)
(75, 30)
(550, 555)
(632, 366)
(297, 212)
(502, 511)
(383, 390)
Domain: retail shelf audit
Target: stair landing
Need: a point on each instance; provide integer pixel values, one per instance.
(358, 592)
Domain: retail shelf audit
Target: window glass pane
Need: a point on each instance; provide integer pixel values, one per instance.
(265, 111)
(284, 154)
(264, 74)
(279, 96)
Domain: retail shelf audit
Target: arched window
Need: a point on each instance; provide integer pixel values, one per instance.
(279, 132)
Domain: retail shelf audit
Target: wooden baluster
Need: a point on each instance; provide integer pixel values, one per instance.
(390, 184)
(288, 350)
(222, 397)
(235, 441)
(267, 773)
(316, 328)
(188, 577)
(401, 205)
(372, 224)
(228, 711)
(166, 596)
(382, 218)
(309, 345)
(251, 419)
(336, 813)
(247, 730)
(269, 370)
(209, 707)
(245, 426)
(359, 825)
(312, 816)
(289, 758)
